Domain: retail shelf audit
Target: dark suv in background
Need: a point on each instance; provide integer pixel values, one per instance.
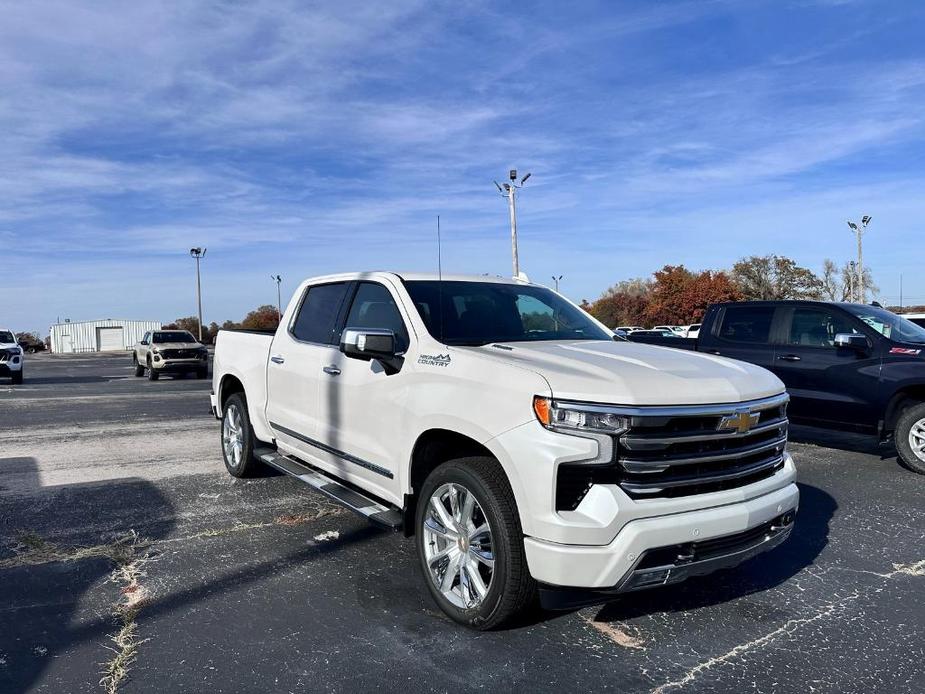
(846, 366)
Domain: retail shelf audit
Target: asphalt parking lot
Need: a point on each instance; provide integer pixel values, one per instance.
(127, 554)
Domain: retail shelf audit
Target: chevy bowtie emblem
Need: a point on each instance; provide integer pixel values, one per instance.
(742, 421)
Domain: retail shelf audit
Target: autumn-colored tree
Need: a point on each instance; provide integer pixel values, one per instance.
(774, 278)
(707, 288)
(261, 318)
(668, 299)
(680, 296)
(616, 309)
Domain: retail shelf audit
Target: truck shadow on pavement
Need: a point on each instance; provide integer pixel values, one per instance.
(806, 542)
(841, 441)
(59, 548)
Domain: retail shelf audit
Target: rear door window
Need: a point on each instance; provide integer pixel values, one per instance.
(317, 315)
(747, 324)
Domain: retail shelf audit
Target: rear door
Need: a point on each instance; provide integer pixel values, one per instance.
(827, 384)
(294, 370)
(742, 331)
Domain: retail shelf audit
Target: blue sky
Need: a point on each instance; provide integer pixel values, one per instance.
(304, 138)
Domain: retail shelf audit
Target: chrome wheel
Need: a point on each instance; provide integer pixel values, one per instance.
(917, 439)
(458, 546)
(233, 436)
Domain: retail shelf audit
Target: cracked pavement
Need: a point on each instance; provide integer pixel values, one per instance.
(261, 585)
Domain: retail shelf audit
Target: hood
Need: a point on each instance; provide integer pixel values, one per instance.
(177, 345)
(628, 373)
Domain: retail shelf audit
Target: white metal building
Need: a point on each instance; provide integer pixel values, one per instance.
(99, 335)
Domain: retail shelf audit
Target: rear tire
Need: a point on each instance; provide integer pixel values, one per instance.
(482, 594)
(910, 438)
(238, 438)
(17, 377)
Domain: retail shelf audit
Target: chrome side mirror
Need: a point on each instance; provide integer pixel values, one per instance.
(371, 343)
(853, 341)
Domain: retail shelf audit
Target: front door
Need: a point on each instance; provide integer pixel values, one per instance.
(363, 407)
(294, 370)
(827, 384)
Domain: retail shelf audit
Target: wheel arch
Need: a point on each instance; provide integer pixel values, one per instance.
(228, 386)
(434, 447)
(902, 398)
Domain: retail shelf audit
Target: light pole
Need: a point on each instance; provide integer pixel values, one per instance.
(859, 230)
(556, 280)
(851, 282)
(279, 298)
(198, 254)
(509, 191)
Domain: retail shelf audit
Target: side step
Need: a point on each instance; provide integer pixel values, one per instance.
(374, 511)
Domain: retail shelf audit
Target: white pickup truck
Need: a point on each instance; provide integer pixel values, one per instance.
(11, 357)
(500, 425)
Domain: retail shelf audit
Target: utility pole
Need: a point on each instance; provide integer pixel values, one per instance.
(556, 280)
(279, 298)
(198, 254)
(859, 230)
(509, 191)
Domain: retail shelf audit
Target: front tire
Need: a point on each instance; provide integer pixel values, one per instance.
(153, 374)
(238, 438)
(910, 438)
(17, 377)
(139, 369)
(470, 544)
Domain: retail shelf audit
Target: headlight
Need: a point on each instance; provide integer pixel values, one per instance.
(156, 350)
(575, 416)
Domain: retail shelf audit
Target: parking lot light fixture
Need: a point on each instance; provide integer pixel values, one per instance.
(279, 299)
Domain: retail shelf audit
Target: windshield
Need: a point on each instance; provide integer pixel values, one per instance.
(478, 313)
(6, 337)
(889, 324)
(172, 336)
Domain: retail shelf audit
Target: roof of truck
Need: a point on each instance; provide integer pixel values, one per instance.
(412, 276)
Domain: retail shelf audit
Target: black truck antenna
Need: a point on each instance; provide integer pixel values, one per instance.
(439, 278)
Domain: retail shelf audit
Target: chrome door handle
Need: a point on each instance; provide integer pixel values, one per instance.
(789, 357)
(332, 370)
(277, 359)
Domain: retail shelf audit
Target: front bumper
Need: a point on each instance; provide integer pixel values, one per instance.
(626, 563)
(10, 366)
(181, 365)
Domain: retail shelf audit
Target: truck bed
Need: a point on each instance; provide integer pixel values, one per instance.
(245, 355)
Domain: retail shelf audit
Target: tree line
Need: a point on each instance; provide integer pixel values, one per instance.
(264, 317)
(675, 295)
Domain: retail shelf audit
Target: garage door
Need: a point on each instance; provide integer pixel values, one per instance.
(109, 339)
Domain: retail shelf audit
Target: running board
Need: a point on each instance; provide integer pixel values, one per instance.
(374, 511)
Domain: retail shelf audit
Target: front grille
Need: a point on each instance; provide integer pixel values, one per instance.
(179, 353)
(680, 451)
(684, 451)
